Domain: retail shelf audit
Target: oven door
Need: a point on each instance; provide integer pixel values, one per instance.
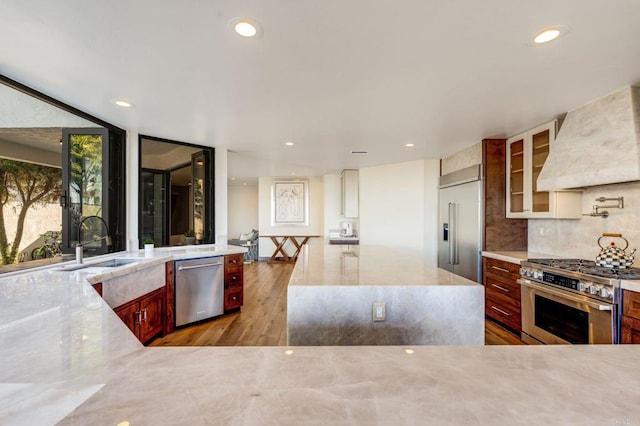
(560, 317)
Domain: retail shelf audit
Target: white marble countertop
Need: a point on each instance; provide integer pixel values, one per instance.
(516, 256)
(66, 357)
(630, 285)
(370, 265)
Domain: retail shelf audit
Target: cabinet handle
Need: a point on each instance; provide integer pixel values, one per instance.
(506, 290)
(138, 317)
(501, 311)
(144, 318)
(500, 269)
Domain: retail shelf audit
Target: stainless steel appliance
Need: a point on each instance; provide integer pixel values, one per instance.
(460, 223)
(571, 301)
(199, 287)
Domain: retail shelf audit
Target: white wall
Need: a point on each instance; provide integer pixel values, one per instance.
(242, 209)
(132, 191)
(392, 205)
(578, 238)
(316, 215)
(220, 188)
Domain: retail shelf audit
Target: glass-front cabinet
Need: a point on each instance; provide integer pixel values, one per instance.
(526, 155)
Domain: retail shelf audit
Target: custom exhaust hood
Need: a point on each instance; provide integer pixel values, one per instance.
(598, 144)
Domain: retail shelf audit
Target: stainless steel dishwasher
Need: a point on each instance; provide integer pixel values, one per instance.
(199, 289)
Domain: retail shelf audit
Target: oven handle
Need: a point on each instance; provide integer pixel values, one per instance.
(565, 295)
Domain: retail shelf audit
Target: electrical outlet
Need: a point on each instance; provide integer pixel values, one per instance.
(379, 313)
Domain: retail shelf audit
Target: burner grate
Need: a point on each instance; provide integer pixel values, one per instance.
(589, 267)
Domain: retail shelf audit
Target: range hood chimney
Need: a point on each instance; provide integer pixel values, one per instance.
(598, 144)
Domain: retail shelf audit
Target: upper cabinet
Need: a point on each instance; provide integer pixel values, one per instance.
(526, 154)
(349, 183)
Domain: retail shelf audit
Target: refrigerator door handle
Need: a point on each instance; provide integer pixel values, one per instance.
(453, 235)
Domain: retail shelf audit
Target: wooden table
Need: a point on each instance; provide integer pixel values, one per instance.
(280, 240)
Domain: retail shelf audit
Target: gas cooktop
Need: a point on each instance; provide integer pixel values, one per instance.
(589, 267)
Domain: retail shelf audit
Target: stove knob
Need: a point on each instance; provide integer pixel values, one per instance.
(582, 286)
(605, 292)
(594, 289)
(523, 271)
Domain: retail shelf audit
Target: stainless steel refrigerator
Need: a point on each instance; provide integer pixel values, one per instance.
(460, 223)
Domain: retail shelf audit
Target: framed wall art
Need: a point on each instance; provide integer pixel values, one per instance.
(290, 203)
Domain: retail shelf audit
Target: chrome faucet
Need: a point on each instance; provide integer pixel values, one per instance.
(81, 244)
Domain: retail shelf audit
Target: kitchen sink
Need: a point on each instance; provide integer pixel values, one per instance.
(113, 263)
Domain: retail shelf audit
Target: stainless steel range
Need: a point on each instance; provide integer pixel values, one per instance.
(571, 301)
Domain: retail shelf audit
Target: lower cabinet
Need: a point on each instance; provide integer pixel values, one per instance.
(233, 281)
(502, 293)
(630, 317)
(144, 315)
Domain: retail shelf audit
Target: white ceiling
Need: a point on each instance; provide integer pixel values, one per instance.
(331, 76)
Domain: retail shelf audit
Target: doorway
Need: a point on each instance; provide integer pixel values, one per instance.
(176, 192)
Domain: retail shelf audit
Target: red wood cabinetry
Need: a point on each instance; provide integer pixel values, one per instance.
(502, 293)
(630, 317)
(233, 281)
(170, 304)
(145, 315)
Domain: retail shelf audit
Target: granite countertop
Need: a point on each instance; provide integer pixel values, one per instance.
(370, 265)
(66, 357)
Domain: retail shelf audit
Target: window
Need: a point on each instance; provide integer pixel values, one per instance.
(37, 131)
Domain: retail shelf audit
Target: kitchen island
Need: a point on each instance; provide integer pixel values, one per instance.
(68, 359)
(335, 291)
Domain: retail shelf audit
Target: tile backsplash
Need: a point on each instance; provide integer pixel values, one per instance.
(579, 238)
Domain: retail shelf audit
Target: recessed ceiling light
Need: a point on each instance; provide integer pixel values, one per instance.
(293, 173)
(409, 145)
(233, 178)
(550, 33)
(289, 143)
(359, 152)
(123, 104)
(245, 28)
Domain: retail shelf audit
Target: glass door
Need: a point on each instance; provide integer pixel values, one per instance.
(539, 153)
(154, 207)
(93, 196)
(202, 197)
(516, 175)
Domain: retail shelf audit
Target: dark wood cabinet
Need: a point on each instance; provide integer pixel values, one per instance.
(630, 317)
(499, 232)
(502, 293)
(233, 281)
(145, 315)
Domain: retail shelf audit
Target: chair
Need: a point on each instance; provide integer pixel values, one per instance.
(250, 241)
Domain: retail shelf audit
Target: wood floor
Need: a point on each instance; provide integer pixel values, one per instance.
(261, 322)
(263, 318)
